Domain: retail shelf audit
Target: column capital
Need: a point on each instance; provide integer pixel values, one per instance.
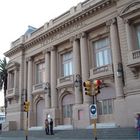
(111, 21)
(126, 21)
(74, 38)
(52, 48)
(82, 35)
(47, 50)
(29, 59)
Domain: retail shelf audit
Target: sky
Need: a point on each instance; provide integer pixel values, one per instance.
(17, 15)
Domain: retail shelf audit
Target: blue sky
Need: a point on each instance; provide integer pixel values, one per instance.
(16, 15)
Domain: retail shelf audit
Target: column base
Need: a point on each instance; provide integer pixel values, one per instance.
(81, 116)
(120, 112)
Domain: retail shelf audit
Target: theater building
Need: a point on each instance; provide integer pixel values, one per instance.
(97, 39)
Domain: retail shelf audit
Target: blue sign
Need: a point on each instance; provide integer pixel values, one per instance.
(93, 111)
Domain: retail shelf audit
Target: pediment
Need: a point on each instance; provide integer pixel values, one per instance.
(13, 65)
(130, 8)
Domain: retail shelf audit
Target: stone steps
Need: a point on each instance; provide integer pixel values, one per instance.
(104, 133)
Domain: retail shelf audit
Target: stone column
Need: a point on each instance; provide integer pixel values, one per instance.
(8, 83)
(129, 35)
(47, 78)
(15, 79)
(116, 54)
(54, 102)
(76, 69)
(29, 91)
(84, 64)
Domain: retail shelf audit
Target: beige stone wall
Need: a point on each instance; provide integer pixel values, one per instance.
(74, 31)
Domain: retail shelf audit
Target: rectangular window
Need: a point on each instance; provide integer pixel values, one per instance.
(11, 79)
(67, 111)
(102, 52)
(105, 107)
(67, 65)
(40, 73)
(138, 35)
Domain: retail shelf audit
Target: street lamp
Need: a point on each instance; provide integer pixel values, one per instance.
(47, 89)
(78, 81)
(120, 73)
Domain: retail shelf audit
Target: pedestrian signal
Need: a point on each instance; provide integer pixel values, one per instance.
(26, 106)
(87, 88)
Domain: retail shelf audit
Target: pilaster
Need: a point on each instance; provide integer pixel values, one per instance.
(47, 79)
(116, 54)
(129, 37)
(54, 102)
(84, 63)
(77, 71)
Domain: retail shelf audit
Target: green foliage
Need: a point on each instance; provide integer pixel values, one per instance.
(3, 77)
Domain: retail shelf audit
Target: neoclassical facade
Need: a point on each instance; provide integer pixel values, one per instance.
(97, 39)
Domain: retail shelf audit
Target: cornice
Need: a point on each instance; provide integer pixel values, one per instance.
(14, 50)
(130, 8)
(37, 38)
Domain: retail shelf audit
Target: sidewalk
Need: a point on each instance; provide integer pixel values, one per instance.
(33, 138)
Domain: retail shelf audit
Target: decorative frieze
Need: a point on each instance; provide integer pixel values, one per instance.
(63, 33)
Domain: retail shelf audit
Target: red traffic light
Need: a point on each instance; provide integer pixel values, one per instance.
(98, 82)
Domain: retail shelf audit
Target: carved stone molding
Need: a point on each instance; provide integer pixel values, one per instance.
(135, 71)
(82, 35)
(47, 50)
(29, 59)
(111, 21)
(53, 48)
(126, 21)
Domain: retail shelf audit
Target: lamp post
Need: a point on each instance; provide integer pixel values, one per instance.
(47, 89)
(78, 82)
(120, 73)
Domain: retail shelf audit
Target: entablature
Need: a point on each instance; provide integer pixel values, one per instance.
(59, 24)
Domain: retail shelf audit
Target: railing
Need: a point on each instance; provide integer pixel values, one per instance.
(101, 71)
(64, 79)
(10, 91)
(38, 86)
(134, 58)
(136, 54)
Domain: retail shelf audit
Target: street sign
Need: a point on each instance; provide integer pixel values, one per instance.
(93, 111)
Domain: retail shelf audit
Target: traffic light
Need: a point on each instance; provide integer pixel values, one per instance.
(26, 106)
(96, 86)
(87, 85)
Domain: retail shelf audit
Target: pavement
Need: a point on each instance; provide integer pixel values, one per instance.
(33, 138)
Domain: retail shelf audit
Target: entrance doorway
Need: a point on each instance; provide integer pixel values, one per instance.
(67, 104)
(39, 110)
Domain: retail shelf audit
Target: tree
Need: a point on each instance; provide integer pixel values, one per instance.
(3, 79)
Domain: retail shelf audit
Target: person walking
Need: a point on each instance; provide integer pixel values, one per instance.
(47, 127)
(51, 127)
(138, 125)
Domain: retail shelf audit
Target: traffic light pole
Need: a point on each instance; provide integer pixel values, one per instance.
(26, 131)
(94, 120)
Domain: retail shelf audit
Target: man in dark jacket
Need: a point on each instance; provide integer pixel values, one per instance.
(51, 126)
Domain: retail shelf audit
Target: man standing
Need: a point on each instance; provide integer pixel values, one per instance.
(46, 126)
(51, 126)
